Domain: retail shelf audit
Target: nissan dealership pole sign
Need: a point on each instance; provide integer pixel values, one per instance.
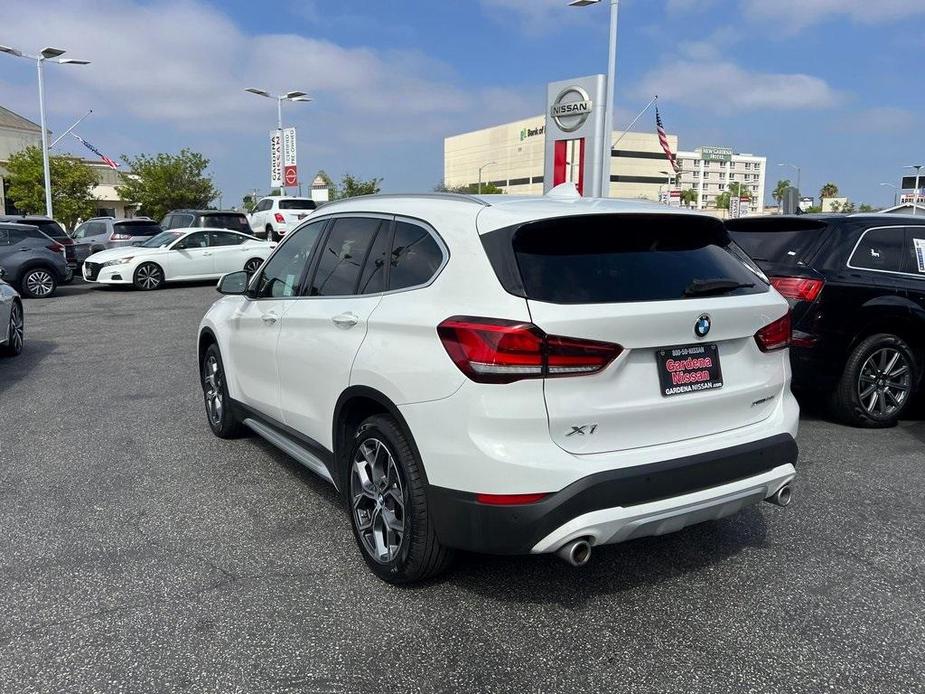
(276, 158)
(575, 135)
(290, 166)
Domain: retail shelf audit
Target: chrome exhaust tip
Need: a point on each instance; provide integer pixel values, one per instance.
(576, 552)
(782, 497)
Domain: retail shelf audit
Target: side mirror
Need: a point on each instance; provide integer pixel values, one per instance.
(234, 283)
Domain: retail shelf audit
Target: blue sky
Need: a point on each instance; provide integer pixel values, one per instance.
(831, 85)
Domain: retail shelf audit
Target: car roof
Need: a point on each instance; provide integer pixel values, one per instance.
(17, 225)
(497, 211)
(203, 212)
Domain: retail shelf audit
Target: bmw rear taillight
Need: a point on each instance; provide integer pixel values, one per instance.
(492, 350)
(776, 335)
(798, 288)
(279, 218)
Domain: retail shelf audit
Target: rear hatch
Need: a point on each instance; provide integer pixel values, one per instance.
(682, 301)
(235, 221)
(295, 210)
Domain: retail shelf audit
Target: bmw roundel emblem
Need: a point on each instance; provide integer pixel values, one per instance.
(702, 326)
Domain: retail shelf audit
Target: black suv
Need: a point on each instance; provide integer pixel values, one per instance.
(206, 219)
(856, 284)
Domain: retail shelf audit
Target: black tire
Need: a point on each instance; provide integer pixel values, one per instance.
(15, 332)
(222, 419)
(272, 235)
(39, 283)
(252, 265)
(148, 277)
(418, 554)
(870, 395)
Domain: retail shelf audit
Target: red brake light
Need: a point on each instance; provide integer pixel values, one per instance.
(509, 499)
(55, 247)
(776, 335)
(798, 288)
(279, 218)
(491, 350)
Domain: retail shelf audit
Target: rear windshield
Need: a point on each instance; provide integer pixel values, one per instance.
(177, 221)
(780, 241)
(296, 204)
(235, 222)
(52, 229)
(137, 228)
(627, 258)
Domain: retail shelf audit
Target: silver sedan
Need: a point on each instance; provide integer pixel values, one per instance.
(11, 320)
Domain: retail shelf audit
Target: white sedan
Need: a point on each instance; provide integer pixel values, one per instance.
(179, 254)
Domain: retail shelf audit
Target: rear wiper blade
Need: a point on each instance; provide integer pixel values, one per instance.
(713, 287)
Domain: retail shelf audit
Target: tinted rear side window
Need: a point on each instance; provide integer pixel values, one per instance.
(343, 254)
(782, 241)
(416, 256)
(296, 204)
(626, 258)
(52, 229)
(226, 221)
(880, 249)
(137, 228)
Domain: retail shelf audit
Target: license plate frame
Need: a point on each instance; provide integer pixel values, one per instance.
(687, 369)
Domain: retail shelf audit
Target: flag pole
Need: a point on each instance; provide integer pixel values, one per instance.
(58, 139)
(635, 120)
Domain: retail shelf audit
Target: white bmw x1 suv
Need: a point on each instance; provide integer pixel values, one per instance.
(509, 375)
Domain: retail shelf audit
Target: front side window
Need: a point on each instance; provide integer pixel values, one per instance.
(343, 254)
(416, 256)
(282, 274)
(198, 240)
(880, 249)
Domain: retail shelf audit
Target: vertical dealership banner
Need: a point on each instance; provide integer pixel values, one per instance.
(290, 164)
(276, 158)
(575, 137)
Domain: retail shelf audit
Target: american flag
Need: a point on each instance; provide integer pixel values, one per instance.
(663, 139)
(106, 160)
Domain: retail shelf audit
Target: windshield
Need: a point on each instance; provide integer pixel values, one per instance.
(165, 238)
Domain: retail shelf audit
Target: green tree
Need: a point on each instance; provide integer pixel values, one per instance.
(780, 190)
(722, 200)
(864, 207)
(829, 190)
(249, 202)
(72, 183)
(471, 189)
(165, 182)
(848, 207)
(689, 197)
(351, 187)
(835, 206)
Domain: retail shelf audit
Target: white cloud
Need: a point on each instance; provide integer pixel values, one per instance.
(797, 14)
(724, 87)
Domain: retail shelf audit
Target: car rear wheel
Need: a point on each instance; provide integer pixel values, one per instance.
(877, 382)
(388, 505)
(252, 265)
(219, 413)
(149, 276)
(15, 332)
(39, 283)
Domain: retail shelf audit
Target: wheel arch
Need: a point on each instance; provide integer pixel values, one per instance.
(353, 406)
(903, 324)
(207, 338)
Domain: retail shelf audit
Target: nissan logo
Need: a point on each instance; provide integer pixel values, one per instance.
(702, 326)
(571, 109)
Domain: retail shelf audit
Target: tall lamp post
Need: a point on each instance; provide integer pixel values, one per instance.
(895, 191)
(296, 96)
(797, 169)
(915, 193)
(53, 55)
(611, 77)
(484, 166)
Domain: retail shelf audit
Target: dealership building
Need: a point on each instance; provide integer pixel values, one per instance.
(511, 157)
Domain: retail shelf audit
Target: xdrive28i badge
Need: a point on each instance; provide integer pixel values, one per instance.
(702, 326)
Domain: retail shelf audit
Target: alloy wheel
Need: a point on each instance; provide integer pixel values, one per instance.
(40, 283)
(212, 382)
(885, 382)
(16, 329)
(378, 500)
(149, 277)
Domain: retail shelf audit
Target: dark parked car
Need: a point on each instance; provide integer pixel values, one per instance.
(206, 219)
(856, 284)
(34, 263)
(52, 229)
(101, 233)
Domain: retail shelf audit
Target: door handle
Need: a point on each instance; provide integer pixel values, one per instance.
(270, 317)
(346, 320)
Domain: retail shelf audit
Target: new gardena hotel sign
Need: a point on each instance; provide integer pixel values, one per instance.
(575, 134)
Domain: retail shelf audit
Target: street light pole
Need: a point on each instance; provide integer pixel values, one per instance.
(797, 168)
(280, 98)
(54, 55)
(480, 173)
(611, 78)
(915, 193)
(895, 191)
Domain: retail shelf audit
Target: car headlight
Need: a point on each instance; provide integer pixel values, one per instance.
(118, 261)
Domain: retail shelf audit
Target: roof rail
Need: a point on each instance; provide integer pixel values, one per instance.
(458, 197)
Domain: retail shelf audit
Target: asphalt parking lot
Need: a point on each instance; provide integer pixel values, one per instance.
(139, 553)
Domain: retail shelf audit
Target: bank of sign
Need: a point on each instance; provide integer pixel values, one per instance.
(276, 158)
(716, 153)
(531, 132)
(571, 109)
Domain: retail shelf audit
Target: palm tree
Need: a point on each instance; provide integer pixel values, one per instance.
(829, 190)
(689, 197)
(779, 190)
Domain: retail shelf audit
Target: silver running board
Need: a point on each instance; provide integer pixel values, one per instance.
(290, 447)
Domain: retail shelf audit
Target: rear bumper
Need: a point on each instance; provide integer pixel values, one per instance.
(620, 504)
